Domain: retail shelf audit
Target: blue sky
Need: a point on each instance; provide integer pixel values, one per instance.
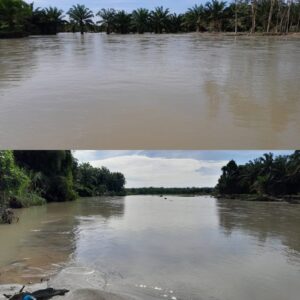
(168, 168)
(128, 5)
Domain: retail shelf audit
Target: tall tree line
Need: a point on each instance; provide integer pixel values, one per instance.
(276, 16)
(266, 175)
(36, 177)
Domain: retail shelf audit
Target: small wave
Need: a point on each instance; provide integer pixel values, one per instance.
(78, 271)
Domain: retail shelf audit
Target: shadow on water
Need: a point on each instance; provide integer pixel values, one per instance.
(20, 58)
(263, 221)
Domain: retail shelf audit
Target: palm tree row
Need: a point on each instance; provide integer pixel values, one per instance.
(265, 175)
(216, 15)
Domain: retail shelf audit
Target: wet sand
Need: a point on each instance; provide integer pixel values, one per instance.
(78, 294)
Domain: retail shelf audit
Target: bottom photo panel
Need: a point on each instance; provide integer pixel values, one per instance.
(150, 224)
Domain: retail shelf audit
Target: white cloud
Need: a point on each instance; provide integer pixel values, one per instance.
(168, 172)
(89, 155)
(85, 155)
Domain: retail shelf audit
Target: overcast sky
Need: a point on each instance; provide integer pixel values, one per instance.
(168, 168)
(128, 5)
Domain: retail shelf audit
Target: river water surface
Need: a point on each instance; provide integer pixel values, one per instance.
(150, 91)
(149, 247)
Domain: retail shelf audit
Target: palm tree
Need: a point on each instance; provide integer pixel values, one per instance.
(175, 23)
(159, 18)
(122, 22)
(54, 17)
(13, 14)
(140, 19)
(194, 17)
(215, 12)
(107, 19)
(81, 16)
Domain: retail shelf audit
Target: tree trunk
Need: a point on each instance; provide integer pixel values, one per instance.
(81, 28)
(235, 18)
(277, 17)
(253, 10)
(198, 24)
(288, 16)
(270, 15)
(281, 21)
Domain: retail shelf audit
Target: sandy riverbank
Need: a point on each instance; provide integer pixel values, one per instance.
(82, 283)
(77, 294)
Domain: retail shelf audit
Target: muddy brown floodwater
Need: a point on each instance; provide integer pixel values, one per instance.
(183, 91)
(148, 247)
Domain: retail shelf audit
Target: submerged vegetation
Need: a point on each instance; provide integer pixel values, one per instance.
(265, 176)
(18, 18)
(30, 178)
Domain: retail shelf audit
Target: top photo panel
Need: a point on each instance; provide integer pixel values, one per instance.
(139, 75)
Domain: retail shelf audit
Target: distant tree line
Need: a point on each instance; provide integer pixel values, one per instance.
(169, 191)
(35, 177)
(276, 16)
(266, 175)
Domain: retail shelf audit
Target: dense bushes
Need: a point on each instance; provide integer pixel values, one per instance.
(35, 177)
(14, 186)
(265, 175)
(51, 173)
(13, 180)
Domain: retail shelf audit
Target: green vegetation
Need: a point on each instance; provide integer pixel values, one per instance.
(45, 21)
(92, 181)
(50, 172)
(17, 18)
(13, 17)
(169, 191)
(265, 176)
(80, 16)
(15, 184)
(30, 178)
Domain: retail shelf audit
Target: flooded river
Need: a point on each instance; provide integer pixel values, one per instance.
(150, 92)
(148, 247)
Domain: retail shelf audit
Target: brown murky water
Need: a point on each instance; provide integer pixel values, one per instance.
(135, 92)
(151, 248)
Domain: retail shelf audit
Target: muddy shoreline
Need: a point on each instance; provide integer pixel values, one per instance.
(75, 279)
